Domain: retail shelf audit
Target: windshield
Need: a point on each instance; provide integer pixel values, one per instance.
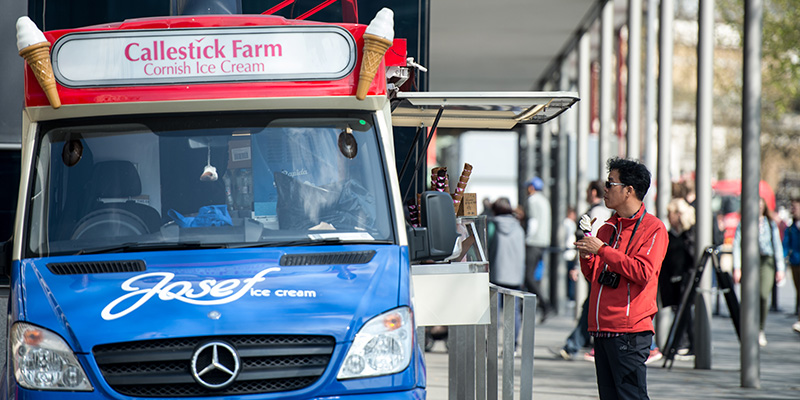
(217, 180)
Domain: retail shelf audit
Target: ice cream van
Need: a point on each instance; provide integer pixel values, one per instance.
(209, 207)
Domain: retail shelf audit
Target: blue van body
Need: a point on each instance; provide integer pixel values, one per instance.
(224, 233)
(253, 295)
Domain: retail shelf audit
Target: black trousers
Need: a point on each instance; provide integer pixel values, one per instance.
(619, 362)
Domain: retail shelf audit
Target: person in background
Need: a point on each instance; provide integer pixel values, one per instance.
(677, 267)
(537, 239)
(791, 251)
(570, 254)
(487, 207)
(622, 263)
(579, 337)
(771, 268)
(597, 210)
(507, 252)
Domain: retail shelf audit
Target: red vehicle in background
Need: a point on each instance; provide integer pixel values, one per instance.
(727, 203)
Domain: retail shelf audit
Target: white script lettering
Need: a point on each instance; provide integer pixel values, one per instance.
(222, 292)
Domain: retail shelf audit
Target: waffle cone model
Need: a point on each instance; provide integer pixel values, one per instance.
(38, 58)
(374, 49)
(462, 185)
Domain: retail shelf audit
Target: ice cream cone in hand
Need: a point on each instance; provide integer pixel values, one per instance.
(33, 46)
(585, 224)
(378, 37)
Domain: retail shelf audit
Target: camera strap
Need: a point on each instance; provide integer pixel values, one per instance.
(619, 233)
(635, 227)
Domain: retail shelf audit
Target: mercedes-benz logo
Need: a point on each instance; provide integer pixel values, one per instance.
(215, 365)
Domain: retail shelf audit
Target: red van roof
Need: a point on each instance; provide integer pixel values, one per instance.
(166, 91)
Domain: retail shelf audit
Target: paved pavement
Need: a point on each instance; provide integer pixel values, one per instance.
(558, 379)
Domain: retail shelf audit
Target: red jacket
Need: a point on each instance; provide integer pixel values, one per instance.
(631, 306)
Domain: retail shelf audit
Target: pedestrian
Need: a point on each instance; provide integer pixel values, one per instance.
(678, 265)
(579, 337)
(507, 253)
(487, 207)
(537, 240)
(771, 266)
(791, 250)
(622, 263)
(597, 209)
(570, 254)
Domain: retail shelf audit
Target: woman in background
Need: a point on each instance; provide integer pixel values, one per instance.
(676, 270)
(771, 267)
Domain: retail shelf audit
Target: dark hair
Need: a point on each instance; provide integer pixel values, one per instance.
(502, 206)
(794, 200)
(767, 212)
(597, 186)
(680, 190)
(632, 173)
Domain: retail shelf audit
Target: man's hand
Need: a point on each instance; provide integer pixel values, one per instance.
(589, 245)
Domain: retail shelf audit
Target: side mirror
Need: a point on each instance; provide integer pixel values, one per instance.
(436, 238)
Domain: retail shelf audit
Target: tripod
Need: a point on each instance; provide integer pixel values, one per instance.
(725, 285)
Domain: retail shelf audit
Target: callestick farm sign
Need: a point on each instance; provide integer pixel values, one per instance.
(208, 55)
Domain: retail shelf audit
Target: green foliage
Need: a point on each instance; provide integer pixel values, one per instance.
(780, 53)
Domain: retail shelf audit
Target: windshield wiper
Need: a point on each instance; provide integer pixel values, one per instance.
(138, 247)
(130, 247)
(306, 242)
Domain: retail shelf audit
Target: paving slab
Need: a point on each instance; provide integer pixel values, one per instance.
(557, 379)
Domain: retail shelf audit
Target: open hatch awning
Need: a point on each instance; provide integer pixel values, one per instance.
(479, 110)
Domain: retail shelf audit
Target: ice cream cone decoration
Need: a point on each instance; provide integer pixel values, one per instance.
(378, 37)
(461, 186)
(33, 46)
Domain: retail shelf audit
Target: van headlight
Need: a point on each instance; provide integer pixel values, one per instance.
(383, 346)
(43, 360)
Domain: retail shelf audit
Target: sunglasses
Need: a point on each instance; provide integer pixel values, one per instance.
(610, 184)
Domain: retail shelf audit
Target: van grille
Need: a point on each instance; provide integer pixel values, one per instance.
(161, 368)
(96, 267)
(351, 257)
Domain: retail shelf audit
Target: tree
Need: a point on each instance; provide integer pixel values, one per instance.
(780, 80)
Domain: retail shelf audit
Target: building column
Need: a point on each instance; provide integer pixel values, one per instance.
(751, 175)
(650, 91)
(664, 180)
(582, 143)
(606, 73)
(705, 87)
(634, 117)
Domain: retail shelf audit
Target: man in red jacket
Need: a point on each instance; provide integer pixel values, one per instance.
(623, 263)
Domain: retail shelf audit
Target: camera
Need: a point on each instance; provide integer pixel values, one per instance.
(608, 278)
